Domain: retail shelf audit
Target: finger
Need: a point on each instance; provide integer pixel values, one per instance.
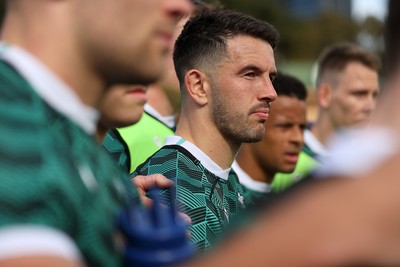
(147, 202)
(185, 217)
(147, 182)
(141, 186)
(161, 181)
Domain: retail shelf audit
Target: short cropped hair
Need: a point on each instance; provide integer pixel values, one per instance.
(287, 85)
(336, 57)
(203, 40)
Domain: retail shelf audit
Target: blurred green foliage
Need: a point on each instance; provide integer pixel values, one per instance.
(303, 38)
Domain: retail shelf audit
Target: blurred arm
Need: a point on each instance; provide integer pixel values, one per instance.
(337, 222)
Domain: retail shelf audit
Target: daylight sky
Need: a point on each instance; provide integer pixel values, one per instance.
(363, 8)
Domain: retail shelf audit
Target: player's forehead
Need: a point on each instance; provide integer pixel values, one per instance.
(358, 77)
(250, 52)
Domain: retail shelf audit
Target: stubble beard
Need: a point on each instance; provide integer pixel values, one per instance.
(235, 126)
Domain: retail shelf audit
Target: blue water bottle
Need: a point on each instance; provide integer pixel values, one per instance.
(155, 236)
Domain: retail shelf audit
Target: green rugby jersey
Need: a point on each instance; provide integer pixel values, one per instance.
(54, 174)
(116, 146)
(132, 145)
(251, 195)
(253, 190)
(210, 200)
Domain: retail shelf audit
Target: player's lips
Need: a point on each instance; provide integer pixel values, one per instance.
(362, 121)
(261, 110)
(165, 37)
(136, 89)
(262, 113)
(291, 157)
(138, 92)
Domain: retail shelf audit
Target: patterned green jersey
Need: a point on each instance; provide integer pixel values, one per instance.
(253, 190)
(211, 197)
(132, 145)
(116, 146)
(54, 174)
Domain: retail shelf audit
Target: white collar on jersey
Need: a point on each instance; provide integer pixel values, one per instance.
(248, 182)
(206, 161)
(50, 87)
(314, 144)
(167, 120)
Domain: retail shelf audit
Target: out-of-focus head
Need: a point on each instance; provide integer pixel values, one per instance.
(388, 108)
(126, 41)
(108, 42)
(169, 81)
(392, 38)
(347, 84)
(279, 150)
(225, 64)
(290, 86)
(334, 59)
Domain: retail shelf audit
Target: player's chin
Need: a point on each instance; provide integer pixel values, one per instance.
(288, 168)
(258, 135)
(135, 115)
(261, 128)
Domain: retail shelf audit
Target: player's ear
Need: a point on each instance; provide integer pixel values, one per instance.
(324, 95)
(197, 85)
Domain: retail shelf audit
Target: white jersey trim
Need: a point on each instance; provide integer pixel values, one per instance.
(314, 144)
(32, 240)
(206, 161)
(50, 87)
(167, 120)
(248, 182)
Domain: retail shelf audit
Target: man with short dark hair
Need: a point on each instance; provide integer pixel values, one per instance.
(257, 163)
(339, 221)
(225, 65)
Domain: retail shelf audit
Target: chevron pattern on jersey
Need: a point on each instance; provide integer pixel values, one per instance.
(116, 146)
(53, 173)
(252, 196)
(210, 201)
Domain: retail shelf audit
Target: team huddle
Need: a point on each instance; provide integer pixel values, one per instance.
(185, 97)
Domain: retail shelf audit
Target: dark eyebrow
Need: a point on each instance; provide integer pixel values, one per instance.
(258, 70)
(250, 67)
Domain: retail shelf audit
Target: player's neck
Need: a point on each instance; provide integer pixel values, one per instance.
(101, 133)
(158, 99)
(322, 130)
(209, 140)
(251, 166)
